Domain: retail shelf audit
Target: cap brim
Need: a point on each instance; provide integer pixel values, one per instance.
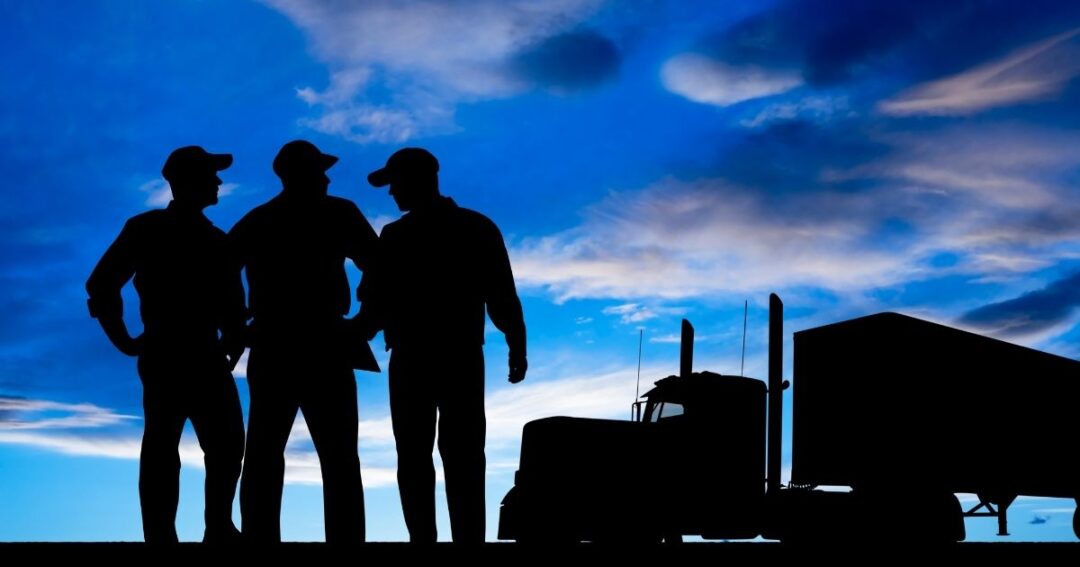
(327, 161)
(379, 177)
(220, 161)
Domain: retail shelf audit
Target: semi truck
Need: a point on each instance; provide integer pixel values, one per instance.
(892, 417)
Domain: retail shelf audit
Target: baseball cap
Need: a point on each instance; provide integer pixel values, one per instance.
(191, 159)
(404, 162)
(299, 156)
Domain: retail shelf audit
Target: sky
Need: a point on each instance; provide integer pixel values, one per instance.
(646, 161)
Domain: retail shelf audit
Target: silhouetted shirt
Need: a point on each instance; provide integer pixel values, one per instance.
(294, 250)
(438, 268)
(188, 287)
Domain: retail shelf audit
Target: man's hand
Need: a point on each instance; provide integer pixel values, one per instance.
(117, 331)
(234, 343)
(518, 366)
(233, 352)
(130, 346)
(362, 328)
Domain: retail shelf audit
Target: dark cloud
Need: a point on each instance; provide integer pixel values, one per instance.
(570, 61)
(1029, 313)
(835, 41)
(790, 156)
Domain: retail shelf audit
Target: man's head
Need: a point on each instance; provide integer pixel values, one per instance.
(302, 167)
(413, 177)
(192, 175)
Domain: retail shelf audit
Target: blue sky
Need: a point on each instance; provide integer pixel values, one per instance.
(646, 161)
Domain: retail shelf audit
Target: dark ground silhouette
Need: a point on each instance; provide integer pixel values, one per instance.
(766, 553)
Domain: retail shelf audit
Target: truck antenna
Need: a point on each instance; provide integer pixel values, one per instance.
(637, 390)
(742, 363)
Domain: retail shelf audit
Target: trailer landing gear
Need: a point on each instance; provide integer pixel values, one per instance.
(1000, 511)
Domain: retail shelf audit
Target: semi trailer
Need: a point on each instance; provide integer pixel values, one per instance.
(892, 416)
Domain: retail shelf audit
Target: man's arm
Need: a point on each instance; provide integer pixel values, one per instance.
(234, 316)
(503, 304)
(360, 238)
(115, 268)
(363, 249)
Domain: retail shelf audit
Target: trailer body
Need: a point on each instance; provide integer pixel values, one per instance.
(889, 400)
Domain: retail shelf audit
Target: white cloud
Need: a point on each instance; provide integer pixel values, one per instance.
(817, 108)
(366, 123)
(227, 189)
(241, 366)
(301, 467)
(126, 447)
(159, 193)
(25, 414)
(708, 81)
(681, 239)
(991, 195)
(636, 312)
(430, 55)
(675, 339)
(1035, 72)
(603, 394)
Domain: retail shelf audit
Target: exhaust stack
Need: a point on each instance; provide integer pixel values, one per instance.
(776, 393)
(686, 350)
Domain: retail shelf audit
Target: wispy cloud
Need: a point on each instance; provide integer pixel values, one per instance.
(26, 414)
(301, 467)
(708, 81)
(675, 339)
(604, 394)
(996, 198)
(681, 239)
(814, 108)
(434, 54)
(1035, 72)
(159, 193)
(636, 313)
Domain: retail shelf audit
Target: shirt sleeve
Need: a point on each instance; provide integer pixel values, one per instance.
(360, 238)
(503, 304)
(371, 291)
(116, 268)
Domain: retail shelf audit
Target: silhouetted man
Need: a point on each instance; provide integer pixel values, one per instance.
(192, 305)
(294, 249)
(438, 268)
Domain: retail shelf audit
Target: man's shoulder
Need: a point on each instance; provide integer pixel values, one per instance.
(476, 221)
(336, 202)
(255, 216)
(342, 209)
(472, 216)
(151, 216)
(146, 220)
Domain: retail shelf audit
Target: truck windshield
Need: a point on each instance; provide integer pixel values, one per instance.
(666, 410)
